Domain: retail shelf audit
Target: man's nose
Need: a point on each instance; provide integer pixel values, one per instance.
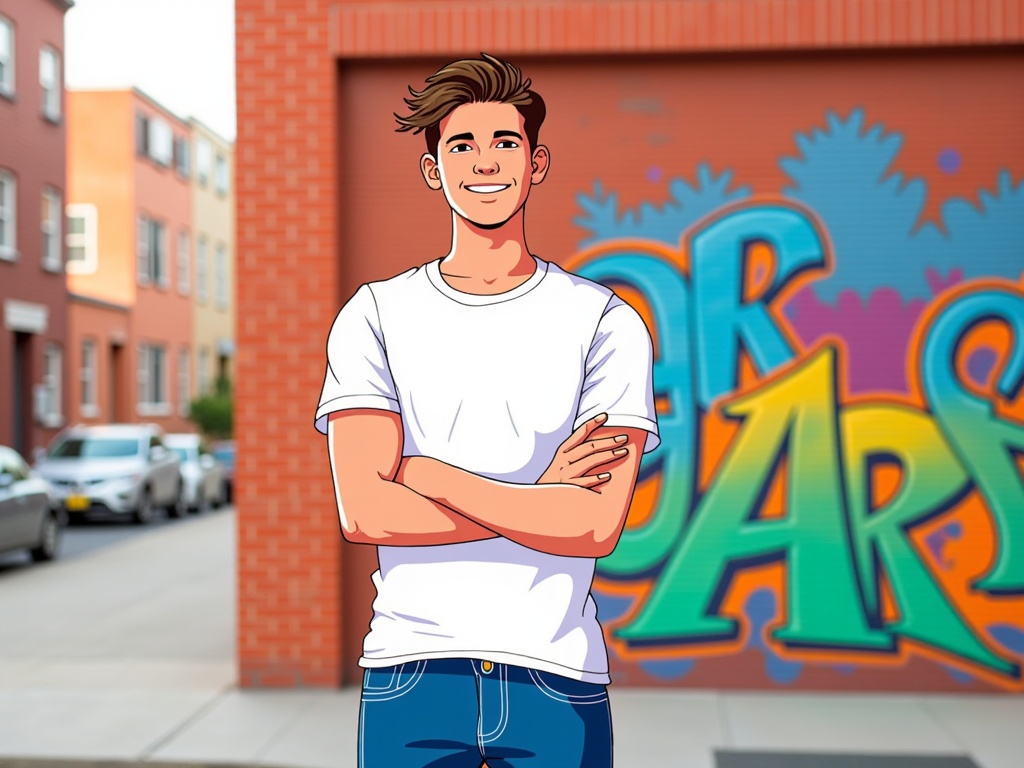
(485, 168)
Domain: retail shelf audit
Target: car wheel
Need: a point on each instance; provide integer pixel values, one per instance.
(178, 507)
(144, 512)
(49, 540)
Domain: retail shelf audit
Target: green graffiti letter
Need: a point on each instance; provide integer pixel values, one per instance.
(795, 417)
(984, 442)
(932, 479)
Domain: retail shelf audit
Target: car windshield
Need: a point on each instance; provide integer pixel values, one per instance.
(95, 448)
(185, 454)
(226, 455)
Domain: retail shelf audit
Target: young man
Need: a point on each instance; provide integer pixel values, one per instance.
(485, 413)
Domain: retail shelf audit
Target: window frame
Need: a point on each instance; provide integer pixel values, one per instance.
(184, 382)
(152, 358)
(51, 92)
(184, 262)
(220, 276)
(52, 198)
(88, 393)
(10, 89)
(87, 240)
(49, 398)
(9, 213)
(202, 268)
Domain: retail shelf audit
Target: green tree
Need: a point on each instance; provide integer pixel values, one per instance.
(213, 413)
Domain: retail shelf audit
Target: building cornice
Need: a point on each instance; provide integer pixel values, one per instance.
(102, 304)
(413, 29)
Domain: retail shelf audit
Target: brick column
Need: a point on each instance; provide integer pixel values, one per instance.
(289, 556)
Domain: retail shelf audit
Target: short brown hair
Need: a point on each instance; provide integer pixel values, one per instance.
(465, 82)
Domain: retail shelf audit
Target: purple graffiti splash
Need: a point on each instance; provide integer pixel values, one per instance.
(654, 174)
(949, 161)
(760, 609)
(937, 541)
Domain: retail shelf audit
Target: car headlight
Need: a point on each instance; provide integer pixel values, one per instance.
(134, 478)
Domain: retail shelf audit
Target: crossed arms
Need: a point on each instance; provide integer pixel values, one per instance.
(577, 508)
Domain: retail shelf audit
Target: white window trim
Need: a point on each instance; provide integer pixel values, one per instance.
(220, 172)
(145, 258)
(204, 372)
(184, 262)
(202, 268)
(11, 88)
(147, 407)
(51, 91)
(88, 241)
(53, 262)
(10, 212)
(204, 160)
(184, 382)
(87, 376)
(49, 397)
(220, 275)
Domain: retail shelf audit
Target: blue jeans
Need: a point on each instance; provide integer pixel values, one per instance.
(456, 713)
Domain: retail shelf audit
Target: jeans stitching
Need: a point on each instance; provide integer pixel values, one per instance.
(551, 693)
(503, 705)
(383, 689)
(402, 689)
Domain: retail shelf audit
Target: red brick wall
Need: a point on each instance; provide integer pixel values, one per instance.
(289, 619)
(302, 594)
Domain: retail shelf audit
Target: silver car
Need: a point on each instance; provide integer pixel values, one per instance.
(28, 517)
(202, 473)
(120, 469)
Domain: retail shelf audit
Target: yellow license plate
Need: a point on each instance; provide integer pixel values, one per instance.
(77, 502)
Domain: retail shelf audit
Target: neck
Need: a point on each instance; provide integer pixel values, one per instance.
(480, 253)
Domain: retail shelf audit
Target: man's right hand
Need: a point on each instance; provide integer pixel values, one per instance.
(580, 455)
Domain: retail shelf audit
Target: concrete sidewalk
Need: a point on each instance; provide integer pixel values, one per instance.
(127, 653)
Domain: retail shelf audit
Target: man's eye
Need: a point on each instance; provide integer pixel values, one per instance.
(460, 148)
(506, 144)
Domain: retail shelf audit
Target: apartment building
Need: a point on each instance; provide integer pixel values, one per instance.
(213, 274)
(33, 296)
(129, 259)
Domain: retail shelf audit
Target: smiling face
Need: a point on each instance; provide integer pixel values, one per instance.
(483, 163)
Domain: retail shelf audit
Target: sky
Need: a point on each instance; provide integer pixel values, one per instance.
(179, 52)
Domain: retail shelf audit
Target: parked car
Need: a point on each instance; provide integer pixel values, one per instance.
(120, 469)
(202, 474)
(29, 518)
(224, 452)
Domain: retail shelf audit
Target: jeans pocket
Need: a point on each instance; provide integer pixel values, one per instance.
(565, 689)
(387, 683)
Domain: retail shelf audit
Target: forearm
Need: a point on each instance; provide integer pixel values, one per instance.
(559, 519)
(390, 514)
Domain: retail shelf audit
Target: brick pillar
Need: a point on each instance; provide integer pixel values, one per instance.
(289, 546)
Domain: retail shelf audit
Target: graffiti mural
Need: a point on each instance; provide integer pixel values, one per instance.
(839, 491)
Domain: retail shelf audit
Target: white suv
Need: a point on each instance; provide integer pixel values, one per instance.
(123, 469)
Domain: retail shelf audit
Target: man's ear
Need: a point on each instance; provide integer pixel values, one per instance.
(541, 162)
(431, 171)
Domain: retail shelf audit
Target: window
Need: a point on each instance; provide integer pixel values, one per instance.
(184, 390)
(204, 158)
(52, 213)
(184, 268)
(201, 269)
(220, 275)
(221, 171)
(48, 395)
(81, 239)
(204, 371)
(6, 57)
(88, 406)
(49, 79)
(152, 252)
(152, 381)
(181, 156)
(8, 215)
(161, 141)
(141, 134)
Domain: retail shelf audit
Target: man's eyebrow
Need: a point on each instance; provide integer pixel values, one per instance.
(499, 134)
(461, 137)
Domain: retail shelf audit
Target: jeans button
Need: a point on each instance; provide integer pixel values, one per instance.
(487, 667)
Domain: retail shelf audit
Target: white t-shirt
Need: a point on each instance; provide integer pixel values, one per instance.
(491, 384)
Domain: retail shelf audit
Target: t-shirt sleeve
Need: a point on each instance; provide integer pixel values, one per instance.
(619, 376)
(358, 375)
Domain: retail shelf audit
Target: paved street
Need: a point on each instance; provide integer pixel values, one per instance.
(126, 652)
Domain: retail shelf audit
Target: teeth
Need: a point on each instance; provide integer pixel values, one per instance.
(485, 188)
